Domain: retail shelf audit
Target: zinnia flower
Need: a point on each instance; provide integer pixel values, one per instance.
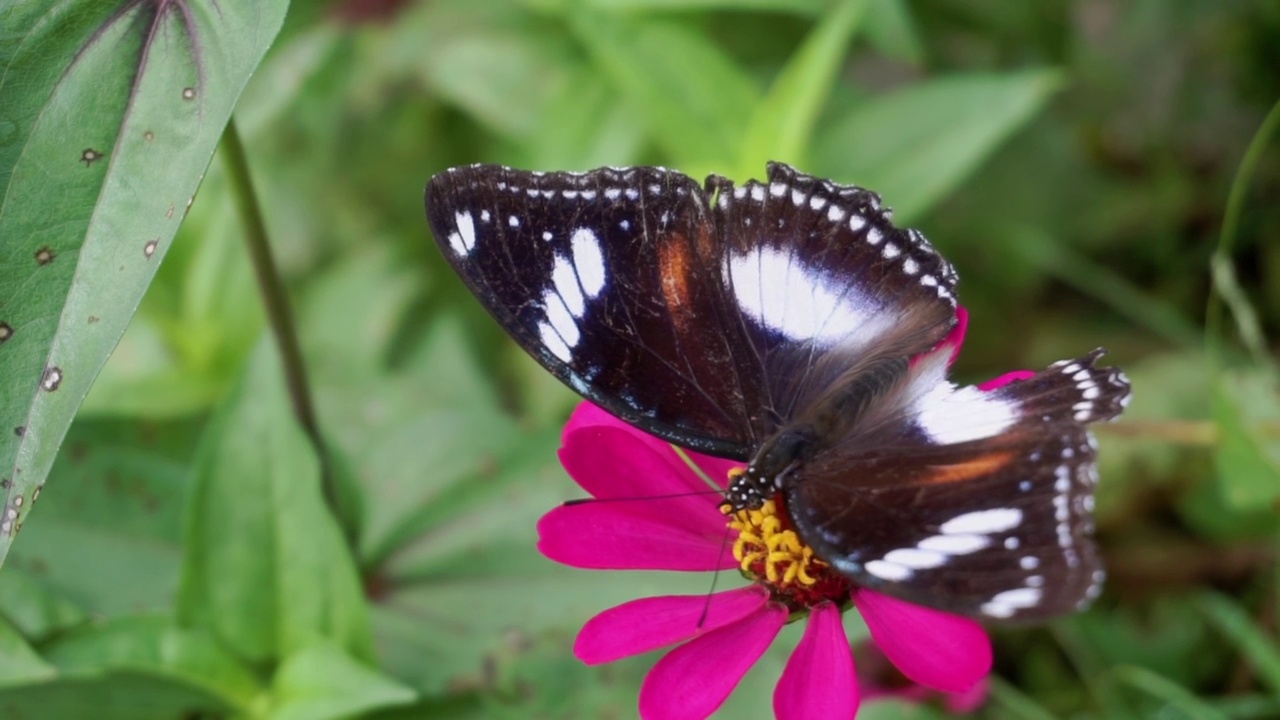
(664, 520)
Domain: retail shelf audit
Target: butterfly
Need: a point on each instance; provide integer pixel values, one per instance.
(789, 325)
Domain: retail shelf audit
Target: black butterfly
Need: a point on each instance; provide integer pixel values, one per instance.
(788, 324)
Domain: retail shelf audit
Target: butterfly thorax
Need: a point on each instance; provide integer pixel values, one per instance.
(767, 474)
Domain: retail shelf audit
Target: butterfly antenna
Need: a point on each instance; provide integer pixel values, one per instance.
(693, 493)
(715, 578)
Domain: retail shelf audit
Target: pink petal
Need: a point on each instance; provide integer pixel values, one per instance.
(616, 463)
(606, 535)
(591, 418)
(693, 680)
(819, 681)
(650, 623)
(942, 651)
(1005, 379)
(588, 415)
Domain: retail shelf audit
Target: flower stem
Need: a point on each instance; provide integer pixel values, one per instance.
(275, 301)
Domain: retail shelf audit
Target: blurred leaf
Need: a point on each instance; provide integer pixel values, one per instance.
(1015, 702)
(151, 645)
(350, 313)
(802, 7)
(19, 662)
(782, 124)
(322, 682)
(1251, 641)
(120, 108)
(123, 695)
(111, 528)
(1246, 408)
(34, 609)
(891, 29)
(265, 568)
(916, 145)
(585, 126)
(1143, 308)
(1174, 695)
(692, 96)
(503, 77)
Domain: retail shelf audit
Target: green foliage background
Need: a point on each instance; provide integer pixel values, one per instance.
(1100, 173)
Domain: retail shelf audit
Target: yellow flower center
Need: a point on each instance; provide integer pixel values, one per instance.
(771, 554)
(765, 548)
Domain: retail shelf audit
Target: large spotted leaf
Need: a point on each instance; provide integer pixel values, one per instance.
(109, 115)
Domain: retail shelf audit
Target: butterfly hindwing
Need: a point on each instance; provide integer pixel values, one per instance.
(971, 502)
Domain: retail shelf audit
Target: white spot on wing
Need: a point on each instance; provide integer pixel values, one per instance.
(887, 570)
(983, 522)
(565, 281)
(915, 559)
(463, 240)
(954, 544)
(589, 261)
(950, 415)
(801, 302)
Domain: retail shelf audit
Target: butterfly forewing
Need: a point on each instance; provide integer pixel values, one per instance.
(823, 285)
(608, 278)
(975, 503)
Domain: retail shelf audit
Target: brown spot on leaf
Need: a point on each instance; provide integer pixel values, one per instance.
(188, 93)
(36, 494)
(148, 136)
(150, 248)
(90, 156)
(5, 483)
(6, 331)
(93, 319)
(20, 430)
(45, 255)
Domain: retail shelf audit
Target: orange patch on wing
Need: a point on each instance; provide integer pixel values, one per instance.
(673, 264)
(977, 467)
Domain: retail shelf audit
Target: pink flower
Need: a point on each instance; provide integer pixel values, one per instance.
(680, 526)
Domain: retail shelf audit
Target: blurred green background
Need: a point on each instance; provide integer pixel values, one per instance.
(1073, 159)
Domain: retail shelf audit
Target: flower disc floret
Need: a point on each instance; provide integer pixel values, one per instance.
(771, 554)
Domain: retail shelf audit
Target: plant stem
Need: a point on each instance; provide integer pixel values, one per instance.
(1223, 272)
(275, 301)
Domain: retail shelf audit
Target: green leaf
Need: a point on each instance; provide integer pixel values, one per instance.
(799, 7)
(110, 530)
(105, 139)
(153, 645)
(688, 91)
(916, 145)
(1174, 695)
(1252, 641)
(265, 568)
(123, 695)
(1246, 408)
(199, 319)
(783, 122)
(19, 662)
(322, 682)
(33, 608)
(890, 28)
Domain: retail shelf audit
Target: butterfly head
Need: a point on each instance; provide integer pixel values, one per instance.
(747, 490)
(773, 464)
